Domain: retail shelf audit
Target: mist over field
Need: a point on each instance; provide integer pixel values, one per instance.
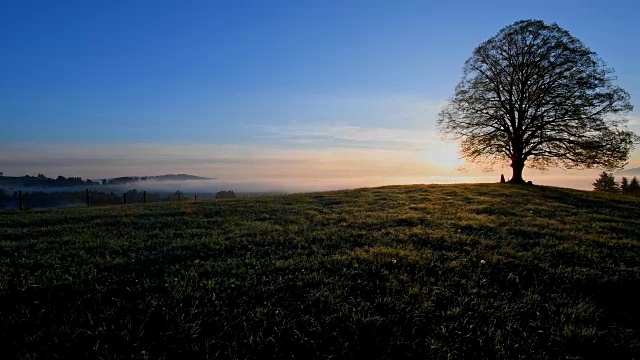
(200, 186)
(295, 185)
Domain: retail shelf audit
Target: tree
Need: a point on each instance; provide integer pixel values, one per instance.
(624, 185)
(534, 93)
(606, 183)
(634, 187)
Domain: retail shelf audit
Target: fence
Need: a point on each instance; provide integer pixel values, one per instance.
(135, 198)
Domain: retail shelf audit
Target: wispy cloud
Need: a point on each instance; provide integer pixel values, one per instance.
(328, 139)
(368, 111)
(354, 136)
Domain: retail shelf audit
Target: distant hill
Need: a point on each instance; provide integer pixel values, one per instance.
(174, 177)
(634, 171)
(168, 177)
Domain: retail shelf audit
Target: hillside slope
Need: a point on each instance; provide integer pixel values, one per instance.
(438, 271)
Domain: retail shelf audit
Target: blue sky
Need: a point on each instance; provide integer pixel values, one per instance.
(232, 84)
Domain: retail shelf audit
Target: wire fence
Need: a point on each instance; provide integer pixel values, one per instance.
(38, 199)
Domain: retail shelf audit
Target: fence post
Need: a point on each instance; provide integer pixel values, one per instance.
(124, 197)
(195, 197)
(144, 196)
(87, 197)
(20, 201)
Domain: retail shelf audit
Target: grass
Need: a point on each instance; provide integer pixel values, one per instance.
(439, 271)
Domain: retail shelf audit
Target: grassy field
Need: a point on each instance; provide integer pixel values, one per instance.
(440, 271)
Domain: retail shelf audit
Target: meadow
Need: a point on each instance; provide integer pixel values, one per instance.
(492, 271)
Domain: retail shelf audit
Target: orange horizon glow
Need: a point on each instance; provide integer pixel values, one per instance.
(298, 169)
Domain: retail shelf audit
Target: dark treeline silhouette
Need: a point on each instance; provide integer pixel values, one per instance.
(607, 183)
(42, 181)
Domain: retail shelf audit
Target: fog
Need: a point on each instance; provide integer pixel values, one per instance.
(257, 187)
(202, 186)
(296, 185)
(281, 186)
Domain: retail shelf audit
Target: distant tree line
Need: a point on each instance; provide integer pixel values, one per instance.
(43, 181)
(607, 183)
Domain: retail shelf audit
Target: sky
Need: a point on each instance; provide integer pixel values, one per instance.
(320, 94)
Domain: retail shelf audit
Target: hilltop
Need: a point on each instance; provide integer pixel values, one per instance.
(424, 271)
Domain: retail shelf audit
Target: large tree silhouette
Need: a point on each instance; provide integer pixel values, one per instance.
(535, 94)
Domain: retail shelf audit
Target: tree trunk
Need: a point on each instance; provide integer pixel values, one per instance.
(517, 165)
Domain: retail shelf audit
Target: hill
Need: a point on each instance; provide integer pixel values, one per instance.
(438, 271)
(632, 171)
(169, 177)
(180, 177)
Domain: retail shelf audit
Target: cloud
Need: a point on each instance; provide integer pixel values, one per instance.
(365, 111)
(320, 136)
(402, 122)
(354, 136)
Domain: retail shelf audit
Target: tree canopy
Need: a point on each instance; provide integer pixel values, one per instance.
(534, 93)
